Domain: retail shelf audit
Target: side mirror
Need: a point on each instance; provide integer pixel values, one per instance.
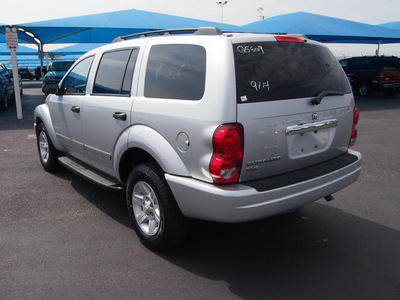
(50, 88)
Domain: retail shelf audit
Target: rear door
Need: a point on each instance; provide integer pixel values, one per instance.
(284, 128)
(107, 111)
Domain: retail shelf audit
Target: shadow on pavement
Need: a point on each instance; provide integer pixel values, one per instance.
(31, 98)
(317, 253)
(378, 102)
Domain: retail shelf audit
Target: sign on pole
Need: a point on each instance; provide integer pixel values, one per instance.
(12, 39)
(12, 44)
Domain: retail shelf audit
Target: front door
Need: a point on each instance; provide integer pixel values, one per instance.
(66, 108)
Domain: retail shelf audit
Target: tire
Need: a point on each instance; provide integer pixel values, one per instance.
(47, 152)
(364, 89)
(4, 102)
(152, 208)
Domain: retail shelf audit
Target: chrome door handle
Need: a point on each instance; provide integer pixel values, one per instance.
(76, 109)
(119, 116)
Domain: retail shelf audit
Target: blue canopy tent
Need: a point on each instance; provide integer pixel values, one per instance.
(22, 50)
(27, 57)
(325, 29)
(77, 49)
(104, 27)
(392, 25)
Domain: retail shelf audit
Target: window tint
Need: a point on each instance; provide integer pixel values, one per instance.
(176, 72)
(372, 63)
(126, 86)
(268, 71)
(76, 80)
(114, 75)
(56, 66)
(3, 70)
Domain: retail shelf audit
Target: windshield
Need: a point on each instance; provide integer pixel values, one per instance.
(60, 66)
(268, 71)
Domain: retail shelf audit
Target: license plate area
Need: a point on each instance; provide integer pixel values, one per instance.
(312, 138)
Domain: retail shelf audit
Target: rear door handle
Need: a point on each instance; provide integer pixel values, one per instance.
(119, 116)
(76, 109)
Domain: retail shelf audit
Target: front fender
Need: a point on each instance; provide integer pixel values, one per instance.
(149, 140)
(42, 112)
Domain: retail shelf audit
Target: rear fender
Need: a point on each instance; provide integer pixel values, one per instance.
(149, 140)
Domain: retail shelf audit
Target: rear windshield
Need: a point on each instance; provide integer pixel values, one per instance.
(60, 65)
(268, 71)
(371, 63)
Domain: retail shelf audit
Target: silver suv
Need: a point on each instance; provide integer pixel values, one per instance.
(219, 127)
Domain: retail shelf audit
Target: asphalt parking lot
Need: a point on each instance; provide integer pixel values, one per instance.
(64, 238)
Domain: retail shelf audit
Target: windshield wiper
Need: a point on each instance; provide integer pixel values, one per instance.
(317, 99)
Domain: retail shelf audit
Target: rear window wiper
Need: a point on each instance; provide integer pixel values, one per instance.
(317, 99)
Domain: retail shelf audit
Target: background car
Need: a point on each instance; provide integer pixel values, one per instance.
(38, 74)
(373, 73)
(25, 73)
(7, 94)
(56, 71)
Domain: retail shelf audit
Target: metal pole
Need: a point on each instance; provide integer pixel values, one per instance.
(16, 84)
(222, 4)
(12, 44)
(379, 48)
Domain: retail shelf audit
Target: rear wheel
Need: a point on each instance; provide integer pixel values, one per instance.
(47, 152)
(154, 213)
(389, 92)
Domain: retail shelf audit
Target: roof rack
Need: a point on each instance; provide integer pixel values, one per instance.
(196, 31)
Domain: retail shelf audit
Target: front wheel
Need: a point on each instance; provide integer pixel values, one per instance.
(47, 151)
(364, 89)
(152, 208)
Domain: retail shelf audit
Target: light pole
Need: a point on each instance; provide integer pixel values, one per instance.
(222, 4)
(261, 10)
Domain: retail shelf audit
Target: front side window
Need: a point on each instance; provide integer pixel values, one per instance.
(115, 72)
(76, 80)
(176, 72)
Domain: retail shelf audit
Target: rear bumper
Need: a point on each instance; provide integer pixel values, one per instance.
(395, 86)
(241, 202)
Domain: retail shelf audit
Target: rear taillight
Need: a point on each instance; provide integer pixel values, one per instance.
(354, 133)
(289, 39)
(226, 160)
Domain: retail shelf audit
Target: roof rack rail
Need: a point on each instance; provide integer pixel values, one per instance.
(196, 31)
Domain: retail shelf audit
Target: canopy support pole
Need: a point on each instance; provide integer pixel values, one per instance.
(40, 54)
(379, 48)
(14, 62)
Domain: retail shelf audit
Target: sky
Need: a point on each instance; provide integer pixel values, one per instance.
(235, 12)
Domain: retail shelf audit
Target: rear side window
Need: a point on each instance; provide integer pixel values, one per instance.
(115, 71)
(268, 71)
(176, 72)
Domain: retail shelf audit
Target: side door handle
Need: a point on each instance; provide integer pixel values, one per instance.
(76, 109)
(119, 116)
